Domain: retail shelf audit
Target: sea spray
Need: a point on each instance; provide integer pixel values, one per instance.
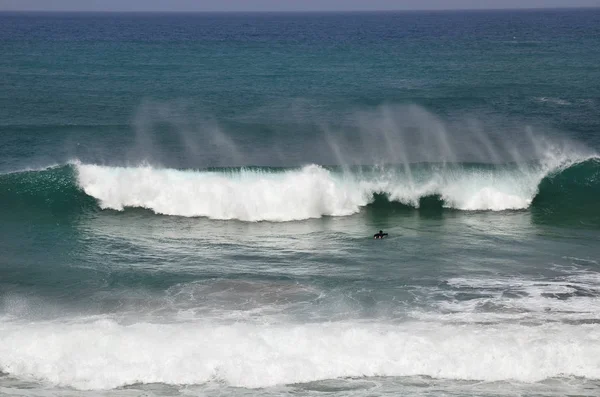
(176, 134)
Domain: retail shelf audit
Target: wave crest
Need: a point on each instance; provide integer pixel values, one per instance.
(248, 195)
(312, 191)
(566, 187)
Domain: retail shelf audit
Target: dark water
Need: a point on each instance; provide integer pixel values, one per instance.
(187, 204)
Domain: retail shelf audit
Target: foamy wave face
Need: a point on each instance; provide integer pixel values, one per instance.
(468, 190)
(105, 355)
(245, 195)
(309, 192)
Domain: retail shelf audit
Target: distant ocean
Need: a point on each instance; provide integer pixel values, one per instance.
(188, 203)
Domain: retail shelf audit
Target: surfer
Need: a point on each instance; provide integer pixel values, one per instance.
(379, 235)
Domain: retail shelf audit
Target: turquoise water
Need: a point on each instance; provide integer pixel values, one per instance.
(188, 204)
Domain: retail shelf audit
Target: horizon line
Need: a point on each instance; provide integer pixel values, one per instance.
(296, 11)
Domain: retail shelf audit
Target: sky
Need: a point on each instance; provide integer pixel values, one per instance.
(280, 5)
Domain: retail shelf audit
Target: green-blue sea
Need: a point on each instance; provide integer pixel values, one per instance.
(188, 204)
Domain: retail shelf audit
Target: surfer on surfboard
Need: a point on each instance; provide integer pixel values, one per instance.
(380, 235)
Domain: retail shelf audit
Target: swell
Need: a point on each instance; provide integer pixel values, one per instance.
(53, 190)
(562, 190)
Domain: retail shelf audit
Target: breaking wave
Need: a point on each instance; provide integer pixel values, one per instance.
(312, 191)
(104, 354)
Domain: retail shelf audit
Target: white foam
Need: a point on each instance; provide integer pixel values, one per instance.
(105, 355)
(246, 195)
(554, 101)
(569, 298)
(309, 192)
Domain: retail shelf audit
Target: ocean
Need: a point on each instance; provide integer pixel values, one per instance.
(188, 204)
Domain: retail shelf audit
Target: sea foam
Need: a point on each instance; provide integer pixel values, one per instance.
(103, 354)
(245, 195)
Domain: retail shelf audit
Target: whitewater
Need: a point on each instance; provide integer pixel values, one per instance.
(514, 330)
(311, 191)
(102, 354)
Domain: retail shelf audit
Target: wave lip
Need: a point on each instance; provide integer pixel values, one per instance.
(106, 355)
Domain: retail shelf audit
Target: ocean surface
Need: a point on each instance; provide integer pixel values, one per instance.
(188, 203)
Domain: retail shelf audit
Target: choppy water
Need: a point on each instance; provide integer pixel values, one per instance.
(188, 204)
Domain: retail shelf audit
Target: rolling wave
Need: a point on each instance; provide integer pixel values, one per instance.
(313, 191)
(257, 356)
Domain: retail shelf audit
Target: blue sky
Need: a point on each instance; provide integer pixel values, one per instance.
(281, 5)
